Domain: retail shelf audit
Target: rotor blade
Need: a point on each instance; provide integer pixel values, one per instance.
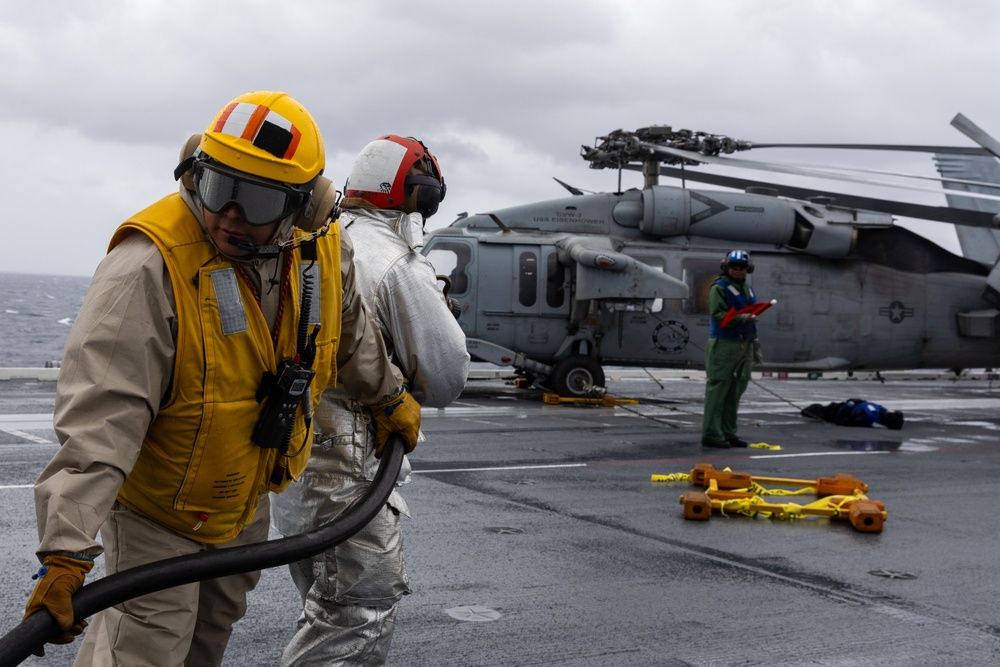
(955, 150)
(957, 216)
(959, 167)
(791, 169)
(572, 190)
(976, 133)
(917, 177)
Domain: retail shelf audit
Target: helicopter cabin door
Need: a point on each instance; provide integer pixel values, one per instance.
(539, 299)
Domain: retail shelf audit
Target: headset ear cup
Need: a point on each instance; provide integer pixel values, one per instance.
(750, 268)
(428, 198)
(321, 203)
(190, 146)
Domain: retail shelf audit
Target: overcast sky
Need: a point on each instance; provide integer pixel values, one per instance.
(100, 95)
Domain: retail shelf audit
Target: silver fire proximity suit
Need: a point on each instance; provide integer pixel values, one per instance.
(350, 592)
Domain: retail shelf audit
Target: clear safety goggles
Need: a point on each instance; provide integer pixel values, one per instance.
(261, 202)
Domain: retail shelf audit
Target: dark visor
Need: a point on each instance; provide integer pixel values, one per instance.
(261, 203)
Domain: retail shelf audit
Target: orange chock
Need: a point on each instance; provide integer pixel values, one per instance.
(867, 516)
(698, 473)
(696, 505)
(728, 480)
(839, 485)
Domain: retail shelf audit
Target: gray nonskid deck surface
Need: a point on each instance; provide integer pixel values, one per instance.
(537, 537)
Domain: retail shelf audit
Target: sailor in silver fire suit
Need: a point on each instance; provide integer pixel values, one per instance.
(350, 592)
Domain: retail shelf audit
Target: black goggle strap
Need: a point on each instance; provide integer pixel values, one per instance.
(184, 167)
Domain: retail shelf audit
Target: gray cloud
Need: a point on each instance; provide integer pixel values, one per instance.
(101, 94)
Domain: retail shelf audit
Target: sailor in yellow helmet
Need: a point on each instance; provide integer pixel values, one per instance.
(212, 309)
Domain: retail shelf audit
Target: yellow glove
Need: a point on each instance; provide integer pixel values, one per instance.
(58, 579)
(400, 414)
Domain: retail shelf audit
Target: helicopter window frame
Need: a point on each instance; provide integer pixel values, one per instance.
(527, 277)
(452, 259)
(556, 281)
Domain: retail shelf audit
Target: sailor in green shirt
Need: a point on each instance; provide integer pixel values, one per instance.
(731, 352)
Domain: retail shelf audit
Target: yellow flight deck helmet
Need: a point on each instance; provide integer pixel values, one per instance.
(268, 135)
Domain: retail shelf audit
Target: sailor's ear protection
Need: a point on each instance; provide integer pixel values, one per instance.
(323, 204)
(430, 186)
(432, 168)
(429, 193)
(183, 170)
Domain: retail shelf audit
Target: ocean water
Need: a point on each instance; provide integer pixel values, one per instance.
(36, 312)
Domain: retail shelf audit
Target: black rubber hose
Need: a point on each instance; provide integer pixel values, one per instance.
(114, 589)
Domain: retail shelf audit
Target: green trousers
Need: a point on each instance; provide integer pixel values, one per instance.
(727, 370)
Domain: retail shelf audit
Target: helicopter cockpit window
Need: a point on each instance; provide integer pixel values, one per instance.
(528, 282)
(452, 260)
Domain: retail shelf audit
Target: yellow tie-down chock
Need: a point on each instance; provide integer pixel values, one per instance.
(605, 400)
(839, 497)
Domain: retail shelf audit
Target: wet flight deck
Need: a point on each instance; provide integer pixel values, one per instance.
(538, 537)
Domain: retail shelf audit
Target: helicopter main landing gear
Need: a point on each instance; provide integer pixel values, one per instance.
(572, 375)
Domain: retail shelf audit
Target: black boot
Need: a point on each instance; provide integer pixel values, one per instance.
(717, 445)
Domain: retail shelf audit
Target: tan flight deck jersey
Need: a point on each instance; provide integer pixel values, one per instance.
(118, 372)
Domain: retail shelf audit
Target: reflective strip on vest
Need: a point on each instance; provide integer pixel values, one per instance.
(232, 314)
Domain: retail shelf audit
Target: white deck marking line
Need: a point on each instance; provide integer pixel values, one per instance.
(587, 465)
(33, 416)
(27, 436)
(803, 454)
(538, 467)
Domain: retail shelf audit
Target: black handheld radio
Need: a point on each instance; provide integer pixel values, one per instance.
(286, 389)
(274, 427)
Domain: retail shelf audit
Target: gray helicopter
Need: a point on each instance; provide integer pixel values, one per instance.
(559, 289)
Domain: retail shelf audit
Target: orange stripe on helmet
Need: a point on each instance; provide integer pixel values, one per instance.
(294, 143)
(254, 122)
(224, 116)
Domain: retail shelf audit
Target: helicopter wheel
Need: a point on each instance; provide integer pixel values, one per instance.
(571, 373)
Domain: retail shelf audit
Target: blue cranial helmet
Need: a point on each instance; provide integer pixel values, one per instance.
(739, 258)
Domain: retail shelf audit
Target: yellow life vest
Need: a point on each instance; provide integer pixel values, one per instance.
(198, 472)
